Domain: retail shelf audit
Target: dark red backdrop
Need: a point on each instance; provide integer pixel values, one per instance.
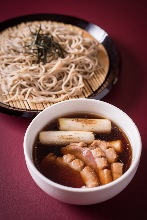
(125, 22)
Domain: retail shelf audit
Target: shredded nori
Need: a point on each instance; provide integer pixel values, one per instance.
(44, 45)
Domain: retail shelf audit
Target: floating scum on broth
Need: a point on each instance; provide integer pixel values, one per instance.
(45, 62)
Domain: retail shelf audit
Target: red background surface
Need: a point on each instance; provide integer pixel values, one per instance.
(125, 22)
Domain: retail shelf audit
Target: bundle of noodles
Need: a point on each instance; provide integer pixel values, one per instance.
(22, 74)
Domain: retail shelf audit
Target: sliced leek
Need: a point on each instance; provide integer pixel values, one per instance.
(65, 137)
(84, 124)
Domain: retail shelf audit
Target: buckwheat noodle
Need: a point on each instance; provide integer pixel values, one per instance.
(59, 78)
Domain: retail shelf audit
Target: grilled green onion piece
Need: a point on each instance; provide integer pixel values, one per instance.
(84, 124)
(65, 137)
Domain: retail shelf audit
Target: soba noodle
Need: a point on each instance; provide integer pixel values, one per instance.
(54, 80)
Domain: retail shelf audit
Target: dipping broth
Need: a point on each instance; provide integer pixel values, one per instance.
(66, 177)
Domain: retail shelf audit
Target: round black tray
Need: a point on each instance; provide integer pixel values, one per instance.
(97, 32)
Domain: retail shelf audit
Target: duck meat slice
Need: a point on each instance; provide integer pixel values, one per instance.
(58, 171)
(73, 162)
(82, 153)
(87, 173)
(98, 152)
(89, 177)
(102, 163)
(117, 170)
(68, 158)
(116, 145)
(109, 151)
(45, 162)
(105, 176)
(111, 155)
(101, 144)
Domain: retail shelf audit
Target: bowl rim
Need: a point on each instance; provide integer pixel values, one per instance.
(31, 165)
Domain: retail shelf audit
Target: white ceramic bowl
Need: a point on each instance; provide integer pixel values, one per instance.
(81, 196)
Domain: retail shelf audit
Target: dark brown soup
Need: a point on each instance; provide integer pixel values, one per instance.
(69, 179)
